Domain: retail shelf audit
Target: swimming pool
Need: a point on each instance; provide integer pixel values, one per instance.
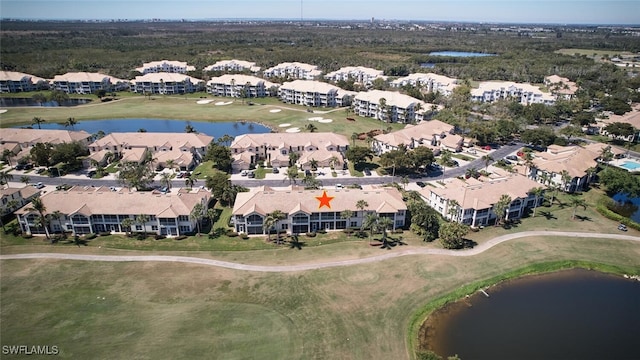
(630, 165)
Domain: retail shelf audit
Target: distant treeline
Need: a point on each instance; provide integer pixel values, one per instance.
(46, 49)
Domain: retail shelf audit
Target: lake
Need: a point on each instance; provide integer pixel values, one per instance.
(572, 314)
(14, 102)
(630, 207)
(459, 54)
(215, 129)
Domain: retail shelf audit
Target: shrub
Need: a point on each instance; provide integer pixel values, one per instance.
(141, 236)
(381, 171)
(606, 212)
(321, 231)
(232, 234)
(105, 233)
(27, 236)
(90, 236)
(310, 234)
(181, 237)
(348, 231)
(159, 237)
(398, 231)
(244, 236)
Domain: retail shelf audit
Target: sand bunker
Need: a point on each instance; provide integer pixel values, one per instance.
(3, 111)
(275, 110)
(201, 102)
(223, 103)
(325, 121)
(293, 130)
(315, 118)
(284, 125)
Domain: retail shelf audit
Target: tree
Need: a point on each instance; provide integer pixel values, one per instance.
(293, 158)
(142, 219)
(217, 182)
(454, 210)
(25, 179)
(576, 202)
(7, 155)
(5, 177)
(38, 205)
(358, 154)
(225, 140)
(570, 131)
(528, 163)
(313, 163)
(424, 219)
(487, 159)
(189, 181)
(126, 225)
(41, 153)
(37, 121)
(606, 155)
(537, 192)
(347, 215)
(165, 180)
(171, 164)
(565, 177)
(544, 136)
(311, 128)
(452, 234)
(197, 213)
(370, 223)
(354, 137)
(421, 157)
(500, 208)
(333, 161)
(270, 221)
(445, 159)
(620, 181)
(472, 173)
(190, 129)
(384, 223)
(291, 174)
(361, 205)
(405, 181)
(382, 109)
(71, 122)
(135, 175)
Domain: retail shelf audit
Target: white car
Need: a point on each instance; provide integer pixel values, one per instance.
(39, 185)
(244, 173)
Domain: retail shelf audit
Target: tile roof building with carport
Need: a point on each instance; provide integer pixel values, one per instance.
(399, 107)
(232, 65)
(428, 81)
(525, 94)
(165, 66)
(233, 85)
(87, 83)
(431, 134)
(13, 81)
(359, 74)
(165, 83)
(293, 70)
(313, 93)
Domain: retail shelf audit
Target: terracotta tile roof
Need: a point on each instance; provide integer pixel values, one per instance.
(14, 135)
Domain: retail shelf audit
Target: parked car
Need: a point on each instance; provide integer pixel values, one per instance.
(421, 184)
(40, 171)
(622, 227)
(455, 163)
(307, 172)
(63, 187)
(91, 173)
(471, 151)
(251, 175)
(367, 172)
(244, 173)
(39, 185)
(275, 170)
(339, 186)
(512, 157)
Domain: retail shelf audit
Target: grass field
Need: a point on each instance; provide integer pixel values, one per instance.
(185, 108)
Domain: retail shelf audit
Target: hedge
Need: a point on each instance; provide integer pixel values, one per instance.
(609, 214)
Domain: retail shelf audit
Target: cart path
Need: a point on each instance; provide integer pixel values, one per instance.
(303, 267)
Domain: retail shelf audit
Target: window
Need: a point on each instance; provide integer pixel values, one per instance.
(154, 227)
(183, 218)
(353, 224)
(138, 227)
(285, 226)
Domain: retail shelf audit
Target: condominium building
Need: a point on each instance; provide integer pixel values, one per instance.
(233, 65)
(293, 70)
(359, 74)
(325, 149)
(165, 66)
(238, 85)
(429, 82)
(632, 118)
(433, 134)
(526, 94)
(305, 214)
(472, 201)
(313, 93)
(165, 83)
(15, 198)
(85, 210)
(185, 149)
(12, 81)
(87, 83)
(27, 138)
(392, 106)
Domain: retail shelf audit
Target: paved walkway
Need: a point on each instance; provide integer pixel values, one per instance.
(303, 267)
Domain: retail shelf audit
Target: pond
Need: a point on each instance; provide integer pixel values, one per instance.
(573, 314)
(14, 102)
(628, 207)
(215, 129)
(459, 54)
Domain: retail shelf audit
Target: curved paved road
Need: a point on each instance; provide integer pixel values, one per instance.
(302, 267)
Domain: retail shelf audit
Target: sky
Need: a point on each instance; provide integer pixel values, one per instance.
(501, 11)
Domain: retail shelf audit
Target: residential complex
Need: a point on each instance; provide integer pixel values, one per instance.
(472, 201)
(233, 66)
(560, 86)
(632, 117)
(14, 198)
(165, 83)
(85, 210)
(238, 85)
(324, 148)
(391, 106)
(429, 82)
(433, 134)
(12, 81)
(186, 150)
(293, 70)
(165, 66)
(87, 83)
(20, 141)
(304, 213)
(526, 94)
(359, 74)
(313, 93)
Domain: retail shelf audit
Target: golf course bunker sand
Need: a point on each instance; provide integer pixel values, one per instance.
(284, 125)
(223, 103)
(3, 111)
(293, 130)
(317, 118)
(275, 110)
(325, 121)
(202, 102)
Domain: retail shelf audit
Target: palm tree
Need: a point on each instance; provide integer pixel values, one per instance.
(272, 220)
(545, 178)
(170, 164)
(225, 139)
(371, 223)
(5, 177)
(8, 207)
(189, 181)
(606, 155)
(126, 225)
(537, 192)
(354, 137)
(590, 173)
(197, 213)
(38, 121)
(416, 109)
(333, 161)
(347, 214)
(165, 180)
(361, 205)
(528, 163)
(405, 181)
(576, 202)
(7, 155)
(453, 212)
(311, 128)
(25, 179)
(142, 219)
(314, 164)
(382, 108)
(444, 160)
(38, 205)
(384, 223)
(553, 189)
(501, 207)
(565, 178)
(487, 159)
(56, 215)
(71, 122)
(471, 173)
(292, 174)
